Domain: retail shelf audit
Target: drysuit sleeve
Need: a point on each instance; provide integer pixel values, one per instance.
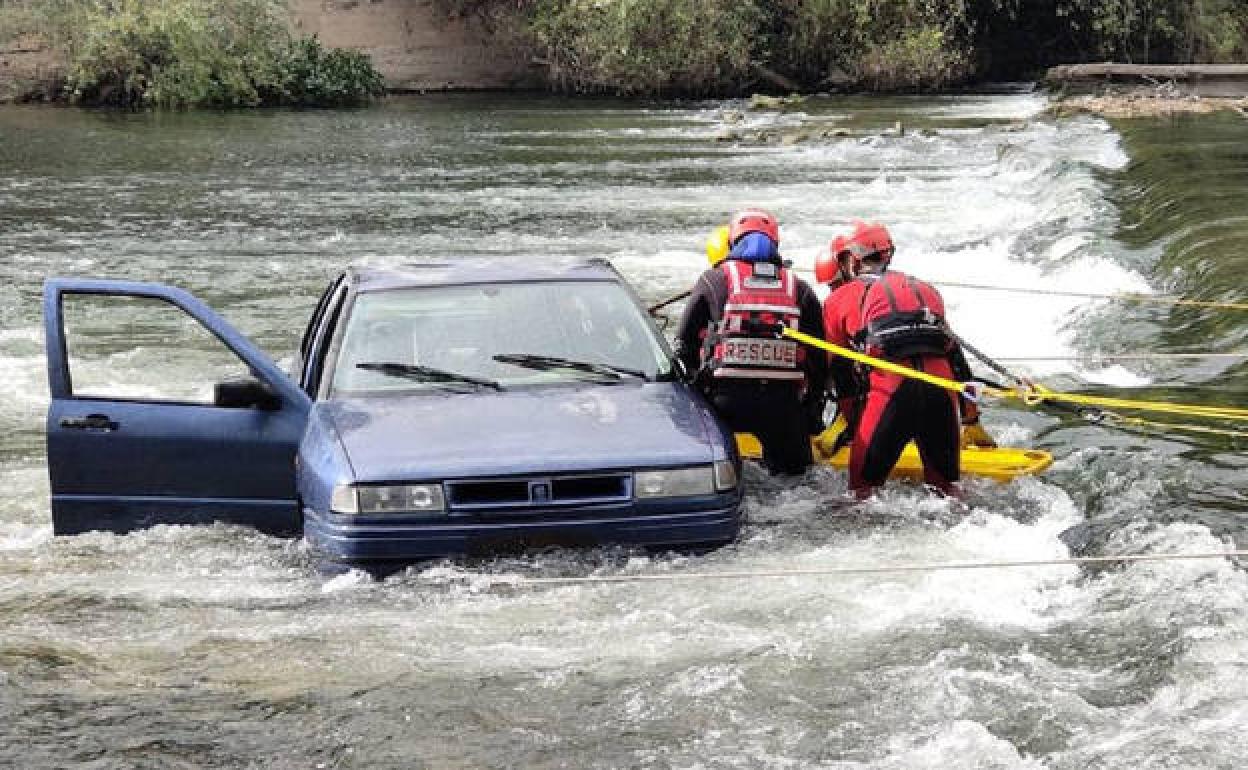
(844, 379)
(695, 320)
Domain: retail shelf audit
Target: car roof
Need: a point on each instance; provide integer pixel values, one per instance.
(470, 270)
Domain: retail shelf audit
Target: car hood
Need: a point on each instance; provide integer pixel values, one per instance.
(440, 435)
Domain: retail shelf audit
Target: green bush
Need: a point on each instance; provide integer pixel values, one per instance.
(315, 75)
(646, 46)
(175, 53)
(883, 45)
(193, 53)
(918, 59)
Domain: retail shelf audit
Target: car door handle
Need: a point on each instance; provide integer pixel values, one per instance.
(99, 422)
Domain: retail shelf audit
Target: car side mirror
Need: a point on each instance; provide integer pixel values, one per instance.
(245, 393)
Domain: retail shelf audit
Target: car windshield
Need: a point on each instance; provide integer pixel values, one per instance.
(509, 334)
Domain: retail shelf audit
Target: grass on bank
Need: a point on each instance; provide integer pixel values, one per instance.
(189, 53)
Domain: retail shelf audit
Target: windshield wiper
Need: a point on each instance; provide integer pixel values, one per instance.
(426, 374)
(532, 361)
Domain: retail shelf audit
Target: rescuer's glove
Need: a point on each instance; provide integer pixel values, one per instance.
(837, 435)
(841, 432)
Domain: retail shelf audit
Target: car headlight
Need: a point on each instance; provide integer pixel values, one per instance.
(390, 498)
(725, 475)
(675, 482)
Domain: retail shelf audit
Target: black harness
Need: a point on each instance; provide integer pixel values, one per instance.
(903, 333)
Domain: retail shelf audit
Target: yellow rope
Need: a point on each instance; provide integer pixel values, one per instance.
(1032, 395)
(1037, 393)
(1129, 297)
(1168, 426)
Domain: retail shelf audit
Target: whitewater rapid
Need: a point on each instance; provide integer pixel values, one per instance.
(220, 647)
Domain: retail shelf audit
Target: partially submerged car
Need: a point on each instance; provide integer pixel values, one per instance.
(433, 410)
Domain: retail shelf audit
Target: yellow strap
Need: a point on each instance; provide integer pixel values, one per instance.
(1032, 395)
(878, 363)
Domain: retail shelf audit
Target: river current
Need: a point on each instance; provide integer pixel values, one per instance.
(221, 647)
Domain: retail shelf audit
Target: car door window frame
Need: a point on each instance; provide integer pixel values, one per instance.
(313, 375)
(60, 379)
(312, 329)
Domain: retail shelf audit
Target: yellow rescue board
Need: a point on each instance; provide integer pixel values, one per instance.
(1001, 464)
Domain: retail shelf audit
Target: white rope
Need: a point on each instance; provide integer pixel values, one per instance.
(1161, 299)
(876, 570)
(1123, 357)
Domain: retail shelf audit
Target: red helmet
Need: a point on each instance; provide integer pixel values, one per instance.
(870, 239)
(830, 264)
(753, 221)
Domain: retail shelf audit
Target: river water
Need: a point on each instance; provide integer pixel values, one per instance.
(221, 647)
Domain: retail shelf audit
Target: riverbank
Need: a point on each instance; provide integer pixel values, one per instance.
(1144, 106)
(631, 48)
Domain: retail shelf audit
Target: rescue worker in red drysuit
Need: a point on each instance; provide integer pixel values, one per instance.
(834, 268)
(890, 315)
(758, 383)
(837, 266)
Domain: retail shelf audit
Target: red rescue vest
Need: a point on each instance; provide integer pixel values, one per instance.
(896, 320)
(741, 344)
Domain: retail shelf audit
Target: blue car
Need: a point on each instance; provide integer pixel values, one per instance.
(433, 410)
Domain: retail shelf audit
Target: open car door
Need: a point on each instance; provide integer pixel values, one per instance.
(150, 421)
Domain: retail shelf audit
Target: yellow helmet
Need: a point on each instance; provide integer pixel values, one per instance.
(717, 245)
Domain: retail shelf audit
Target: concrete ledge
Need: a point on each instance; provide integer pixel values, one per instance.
(1212, 80)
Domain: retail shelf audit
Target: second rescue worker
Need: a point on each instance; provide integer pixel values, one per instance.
(759, 384)
(896, 317)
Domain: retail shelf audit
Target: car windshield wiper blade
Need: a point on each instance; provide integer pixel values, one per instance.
(533, 361)
(426, 374)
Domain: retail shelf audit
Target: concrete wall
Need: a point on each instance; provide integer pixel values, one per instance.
(414, 45)
(26, 67)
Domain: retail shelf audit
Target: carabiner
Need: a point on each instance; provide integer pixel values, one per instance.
(1032, 394)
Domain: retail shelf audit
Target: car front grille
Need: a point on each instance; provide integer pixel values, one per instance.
(538, 492)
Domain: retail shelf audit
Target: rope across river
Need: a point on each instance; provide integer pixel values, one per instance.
(1156, 299)
(510, 580)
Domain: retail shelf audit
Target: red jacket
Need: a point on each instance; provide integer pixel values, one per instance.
(849, 309)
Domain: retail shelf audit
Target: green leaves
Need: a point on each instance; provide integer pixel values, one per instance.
(646, 46)
(176, 54)
(313, 75)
